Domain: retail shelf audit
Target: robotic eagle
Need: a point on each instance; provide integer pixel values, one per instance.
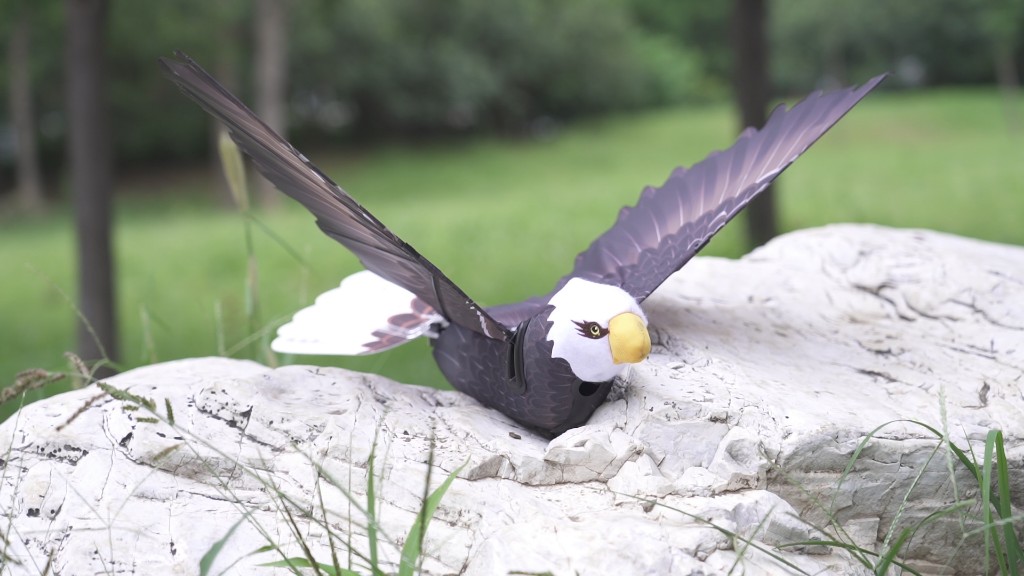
(547, 362)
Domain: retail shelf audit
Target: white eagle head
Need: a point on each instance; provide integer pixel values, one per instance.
(597, 329)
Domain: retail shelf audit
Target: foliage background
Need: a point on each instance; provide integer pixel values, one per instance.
(369, 69)
(438, 113)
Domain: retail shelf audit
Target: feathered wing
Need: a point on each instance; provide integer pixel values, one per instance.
(655, 238)
(337, 213)
(366, 314)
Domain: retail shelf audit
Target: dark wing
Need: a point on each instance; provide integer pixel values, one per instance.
(337, 213)
(670, 224)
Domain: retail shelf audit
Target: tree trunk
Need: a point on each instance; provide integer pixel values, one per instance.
(91, 176)
(750, 83)
(1009, 82)
(29, 184)
(271, 72)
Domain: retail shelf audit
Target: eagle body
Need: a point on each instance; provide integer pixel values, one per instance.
(519, 377)
(547, 362)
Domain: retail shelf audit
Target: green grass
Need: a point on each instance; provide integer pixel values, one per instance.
(503, 218)
(989, 513)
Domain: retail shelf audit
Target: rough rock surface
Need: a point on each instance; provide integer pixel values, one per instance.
(767, 375)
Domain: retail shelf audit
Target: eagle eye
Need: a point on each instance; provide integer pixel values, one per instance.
(591, 330)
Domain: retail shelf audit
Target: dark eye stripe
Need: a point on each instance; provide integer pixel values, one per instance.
(591, 330)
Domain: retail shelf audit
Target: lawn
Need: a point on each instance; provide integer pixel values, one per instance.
(503, 218)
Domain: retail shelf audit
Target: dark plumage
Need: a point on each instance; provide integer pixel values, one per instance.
(534, 360)
(544, 394)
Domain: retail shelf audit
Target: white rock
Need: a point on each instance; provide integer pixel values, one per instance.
(739, 459)
(768, 374)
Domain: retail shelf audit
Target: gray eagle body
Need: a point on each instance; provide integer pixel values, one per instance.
(520, 377)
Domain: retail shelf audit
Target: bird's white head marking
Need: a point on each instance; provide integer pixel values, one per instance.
(597, 329)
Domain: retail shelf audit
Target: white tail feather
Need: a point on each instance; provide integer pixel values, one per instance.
(364, 315)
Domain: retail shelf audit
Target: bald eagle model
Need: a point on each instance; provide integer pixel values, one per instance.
(547, 362)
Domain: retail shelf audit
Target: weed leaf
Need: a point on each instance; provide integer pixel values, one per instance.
(411, 550)
(299, 562)
(211, 555)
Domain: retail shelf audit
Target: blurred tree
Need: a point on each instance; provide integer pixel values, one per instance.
(1004, 22)
(460, 65)
(91, 176)
(750, 85)
(394, 67)
(924, 42)
(151, 121)
(270, 65)
(697, 27)
(29, 180)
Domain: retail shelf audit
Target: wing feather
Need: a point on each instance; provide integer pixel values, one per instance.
(670, 224)
(337, 213)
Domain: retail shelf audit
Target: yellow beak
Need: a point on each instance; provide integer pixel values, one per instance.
(629, 339)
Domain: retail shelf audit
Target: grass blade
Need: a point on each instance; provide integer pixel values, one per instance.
(413, 546)
(890, 555)
(211, 555)
(1013, 551)
(299, 562)
(991, 534)
(277, 239)
(371, 510)
(234, 170)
